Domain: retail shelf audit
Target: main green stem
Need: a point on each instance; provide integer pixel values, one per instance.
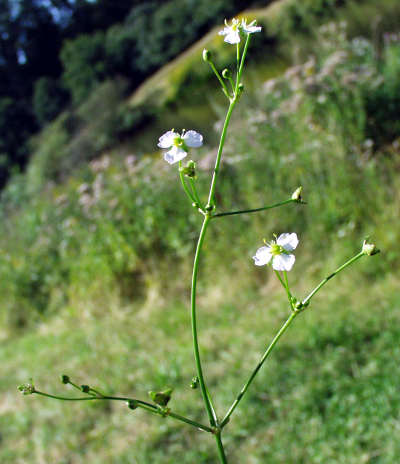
(221, 450)
(210, 410)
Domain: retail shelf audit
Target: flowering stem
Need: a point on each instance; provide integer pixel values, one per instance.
(246, 386)
(141, 404)
(184, 184)
(221, 146)
(237, 64)
(86, 398)
(307, 300)
(224, 87)
(280, 279)
(287, 289)
(231, 213)
(240, 69)
(198, 201)
(210, 410)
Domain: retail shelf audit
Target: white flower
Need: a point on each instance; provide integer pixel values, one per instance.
(277, 253)
(237, 29)
(179, 144)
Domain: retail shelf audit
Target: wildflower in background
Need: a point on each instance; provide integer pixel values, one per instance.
(234, 32)
(179, 144)
(278, 253)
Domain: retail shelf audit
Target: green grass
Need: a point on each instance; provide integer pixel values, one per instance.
(327, 394)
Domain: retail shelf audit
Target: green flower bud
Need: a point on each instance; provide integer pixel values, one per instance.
(227, 74)
(64, 379)
(207, 56)
(132, 404)
(195, 205)
(189, 170)
(163, 411)
(194, 383)
(210, 208)
(85, 388)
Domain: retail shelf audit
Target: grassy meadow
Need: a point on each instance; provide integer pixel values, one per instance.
(95, 277)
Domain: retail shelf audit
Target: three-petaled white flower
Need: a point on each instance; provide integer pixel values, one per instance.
(179, 144)
(237, 29)
(277, 253)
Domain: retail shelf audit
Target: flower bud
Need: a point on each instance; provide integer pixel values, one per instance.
(85, 388)
(240, 91)
(189, 170)
(194, 383)
(163, 411)
(207, 56)
(369, 248)
(64, 379)
(210, 208)
(227, 74)
(132, 404)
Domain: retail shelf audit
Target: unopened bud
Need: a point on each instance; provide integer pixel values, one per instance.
(163, 411)
(239, 93)
(85, 388)
(64, 379)
(194, 383)
(189, 170)
(207, 56)
(227, 74)
(132, 404)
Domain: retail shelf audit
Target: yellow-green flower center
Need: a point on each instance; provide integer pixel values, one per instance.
(276, 249)
(177, 141)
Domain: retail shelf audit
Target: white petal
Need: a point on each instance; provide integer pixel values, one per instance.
(251, 29)
(288, 241)
(225, 30)
(233, 37)
(283, 262)
(263, 256)
(174, 155)
(193, 139)
(166, 140)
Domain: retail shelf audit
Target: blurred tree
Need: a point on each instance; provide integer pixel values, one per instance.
(49, 99)
(84, 64)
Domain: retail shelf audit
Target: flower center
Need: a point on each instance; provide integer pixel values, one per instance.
(177, 141)
(276, 249)
(235, 24)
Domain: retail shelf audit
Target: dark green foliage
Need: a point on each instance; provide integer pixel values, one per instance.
(84, 64)
(48, 99)
(383, 102)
